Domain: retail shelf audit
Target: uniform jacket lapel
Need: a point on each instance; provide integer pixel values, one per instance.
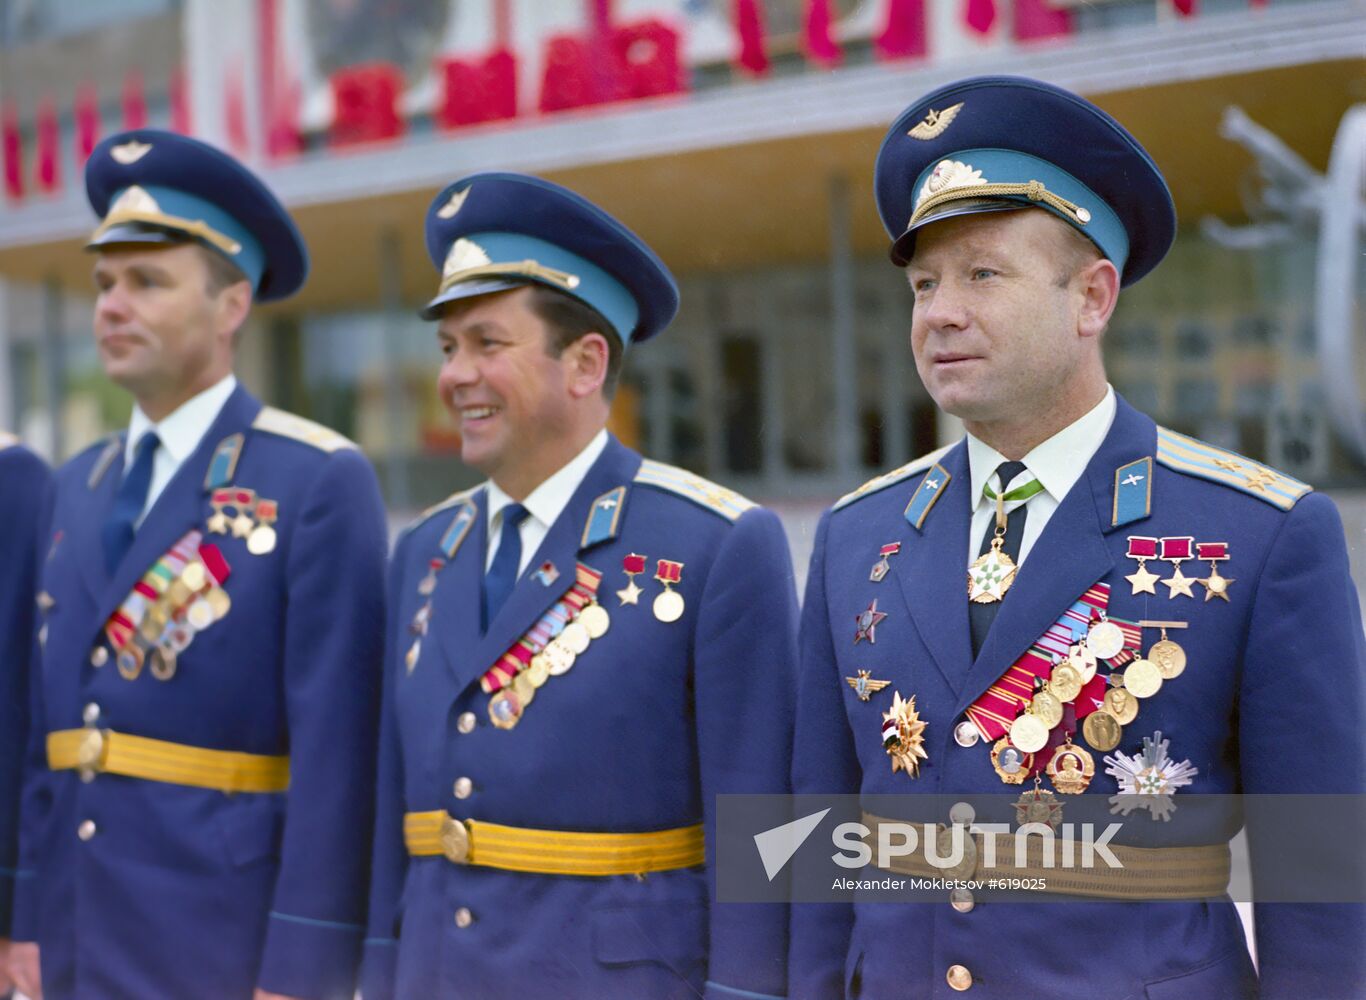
(933, 575)
(180, 506)
(1070, 555)
(454, 625)
(84, 534)
(530, 597)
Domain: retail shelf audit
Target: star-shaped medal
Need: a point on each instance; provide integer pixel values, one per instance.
(218, 523)
(864, 685)
(630, 594)
(1179, 583)
(242, 525)
(1215, 585)
(1143, 581)
(866, 621)
(903, 735)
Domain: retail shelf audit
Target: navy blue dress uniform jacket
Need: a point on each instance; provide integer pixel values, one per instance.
(25, 493)
(172, 891)
(652, 722)
(1271, 701)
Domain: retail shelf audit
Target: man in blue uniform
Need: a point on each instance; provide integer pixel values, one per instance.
(198, 820)
(583, 652)
(25, 485)
(1069, 582)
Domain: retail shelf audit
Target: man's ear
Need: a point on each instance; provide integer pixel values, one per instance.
(233, 305)
(1098, 285)
(588, 359)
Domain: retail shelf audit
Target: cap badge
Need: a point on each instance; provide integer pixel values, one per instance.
(135, 199)
(457, 201)
(935, 123)
(130, 152)
(464, 255)
(949, 174)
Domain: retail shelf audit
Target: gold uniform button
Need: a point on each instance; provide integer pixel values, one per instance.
(959, 978)
(463, 917)
(99, 656)
(463, 788)
(86, 830)
(90, 714)
(466, 722)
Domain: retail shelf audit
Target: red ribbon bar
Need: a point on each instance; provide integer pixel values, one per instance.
(267, 509)
(146, 590)
(1178, 547)
(1142, 547)
(634, 563)
(669, 571)
(215, 563)
(890, 549)
(1212, 551)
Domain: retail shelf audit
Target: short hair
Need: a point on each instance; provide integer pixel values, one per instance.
(221, 271)
(567, 320)
(1077, 252)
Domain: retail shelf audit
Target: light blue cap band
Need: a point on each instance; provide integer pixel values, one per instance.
(1008, 166)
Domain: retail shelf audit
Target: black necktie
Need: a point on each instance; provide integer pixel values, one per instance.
(131, 498)
(980, 616)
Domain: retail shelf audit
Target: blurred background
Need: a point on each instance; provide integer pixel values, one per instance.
(737, 137)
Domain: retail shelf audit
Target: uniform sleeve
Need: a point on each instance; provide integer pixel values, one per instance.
(390, 866)
(1302, 730)
(823, 762)
(743, 664)
(25, 498)
(333, 650)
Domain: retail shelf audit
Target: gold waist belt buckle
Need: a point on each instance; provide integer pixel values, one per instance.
(101, 751)
(550, 852)
(1200, 872)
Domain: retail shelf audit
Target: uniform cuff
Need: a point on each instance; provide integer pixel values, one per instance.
(311, 959)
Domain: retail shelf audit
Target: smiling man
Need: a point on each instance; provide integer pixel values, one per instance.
(583, 652)
(1043, 585)
(196, 821)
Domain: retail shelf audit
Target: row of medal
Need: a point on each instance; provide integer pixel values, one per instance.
(179, 597)
(1177, 550)
(245, 515)
(668, 605)
(550, 648)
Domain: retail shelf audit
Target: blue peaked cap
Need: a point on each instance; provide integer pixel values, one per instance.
(494, 231)
(995, 143)
(156, 187)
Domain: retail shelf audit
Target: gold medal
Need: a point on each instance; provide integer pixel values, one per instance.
(195, 576)
(200, 614)
(1029, 734)
(1047, 708)
(129, 662)
(523, 689)
(219, 601)
(596, 620)
(1122, 705)
(162, 662)
(990, 575)
(1083, 661)
(505, 710)
(558, 657)
(1102, 730)
(261, 541)
(1105, 640)
(1169, 658)
(575, 638)
(1142, 679)
(1065, 682)
(538, 671)
(1071, 769)
(1038, 806)
(150, 630)
(668, 606)
(903, 735)
(1011, 764)
(178, 593)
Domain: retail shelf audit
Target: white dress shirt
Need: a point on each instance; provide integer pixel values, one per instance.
(180, 433)
(544, 505)
(1056, 463)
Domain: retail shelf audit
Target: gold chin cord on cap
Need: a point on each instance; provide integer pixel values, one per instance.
(525, 268)
(1034, 191)
(197, 228)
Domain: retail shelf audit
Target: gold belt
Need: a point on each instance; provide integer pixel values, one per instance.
(549, 852)
(100, 751)
(1198, 872)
